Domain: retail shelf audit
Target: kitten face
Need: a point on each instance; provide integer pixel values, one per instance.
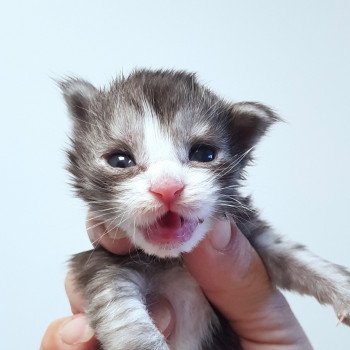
(164, 227)
(159, 156)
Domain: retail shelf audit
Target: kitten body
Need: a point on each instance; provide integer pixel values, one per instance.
(162, 157)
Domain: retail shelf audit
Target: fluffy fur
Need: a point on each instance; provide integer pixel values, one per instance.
(155, 118)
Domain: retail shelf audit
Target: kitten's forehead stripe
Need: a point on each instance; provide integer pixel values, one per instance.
(157, 144)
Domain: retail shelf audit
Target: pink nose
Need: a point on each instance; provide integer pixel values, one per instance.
(167, 190)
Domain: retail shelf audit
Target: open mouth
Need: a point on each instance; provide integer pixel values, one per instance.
(170, 229)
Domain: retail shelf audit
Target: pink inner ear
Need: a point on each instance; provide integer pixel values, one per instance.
(170, 220)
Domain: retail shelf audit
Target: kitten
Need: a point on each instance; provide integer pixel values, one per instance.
(162, 157)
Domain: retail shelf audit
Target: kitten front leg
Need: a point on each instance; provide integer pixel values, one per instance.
(116, 309)
(293, 267)
(119, 316)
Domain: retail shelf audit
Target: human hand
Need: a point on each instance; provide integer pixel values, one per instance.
(234, 279)
(228, 269)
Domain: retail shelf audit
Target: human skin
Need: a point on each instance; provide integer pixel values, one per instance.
(232, 276)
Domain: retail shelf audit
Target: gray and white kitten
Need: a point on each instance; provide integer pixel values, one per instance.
(162, 157)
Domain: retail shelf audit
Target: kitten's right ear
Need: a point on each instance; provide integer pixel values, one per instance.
(78, 94)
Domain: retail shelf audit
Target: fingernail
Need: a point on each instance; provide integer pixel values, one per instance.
(76, 331)
(220, 235)
(161, 315)
(97, 230)
(116, 233)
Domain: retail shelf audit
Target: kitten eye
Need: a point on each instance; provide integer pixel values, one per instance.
(202, 153)
(120, 160)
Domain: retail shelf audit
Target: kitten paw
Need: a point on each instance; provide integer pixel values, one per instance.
(342, 308)
(343, 317)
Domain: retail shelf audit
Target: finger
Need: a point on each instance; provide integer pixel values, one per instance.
(70, 333)
(228, 269)
(76, 300)
(113, 240)
(163, 315)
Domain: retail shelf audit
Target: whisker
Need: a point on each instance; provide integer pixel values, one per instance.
(111, 210)
(236, 162)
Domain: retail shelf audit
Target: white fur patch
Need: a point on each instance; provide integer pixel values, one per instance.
(201, 130)
(194, 316)
(157, 144)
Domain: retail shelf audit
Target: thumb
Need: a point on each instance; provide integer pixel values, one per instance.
(230, 272)
(69, 333)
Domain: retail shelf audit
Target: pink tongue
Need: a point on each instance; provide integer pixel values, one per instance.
(170, 228)
(170, 220)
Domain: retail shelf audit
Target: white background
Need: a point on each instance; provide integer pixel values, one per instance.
(292, 55)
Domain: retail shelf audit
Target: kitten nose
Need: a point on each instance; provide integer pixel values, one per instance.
(167, 190)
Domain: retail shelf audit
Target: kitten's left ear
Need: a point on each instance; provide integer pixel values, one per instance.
(78, 94)
(249, 122)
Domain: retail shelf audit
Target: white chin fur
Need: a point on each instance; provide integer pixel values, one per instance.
(139, 241)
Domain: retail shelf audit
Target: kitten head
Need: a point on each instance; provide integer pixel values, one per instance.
(159, 155)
